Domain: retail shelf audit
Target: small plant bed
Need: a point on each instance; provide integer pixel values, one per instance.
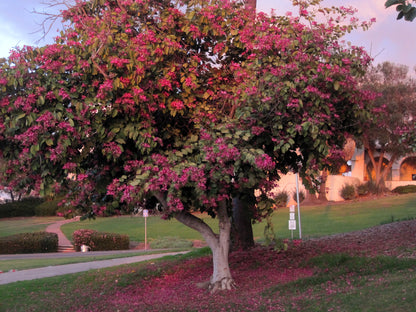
(344, 272)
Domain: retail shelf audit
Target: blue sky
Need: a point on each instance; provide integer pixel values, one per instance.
(387, 40)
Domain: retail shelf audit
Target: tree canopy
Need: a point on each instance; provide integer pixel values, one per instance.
(188, 102)
(390, 132)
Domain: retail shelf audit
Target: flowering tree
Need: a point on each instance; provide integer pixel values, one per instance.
(390, 132)
(191, 102)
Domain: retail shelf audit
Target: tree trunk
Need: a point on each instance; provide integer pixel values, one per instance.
(242, 230)
(219, 243)
(11, 196)
(377, 166)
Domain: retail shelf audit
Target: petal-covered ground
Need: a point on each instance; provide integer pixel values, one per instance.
(255, 271)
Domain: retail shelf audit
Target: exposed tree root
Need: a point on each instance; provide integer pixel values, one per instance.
(225, 284)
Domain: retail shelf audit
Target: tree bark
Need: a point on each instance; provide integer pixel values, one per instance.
(221, 278)
(377, 166)
(242, 230)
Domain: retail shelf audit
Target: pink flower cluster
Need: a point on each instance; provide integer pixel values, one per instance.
(112, 149)
(265, 162)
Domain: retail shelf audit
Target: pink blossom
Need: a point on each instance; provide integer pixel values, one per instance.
(70, 166)
(265, 162)
(113, 149)
(177, 104)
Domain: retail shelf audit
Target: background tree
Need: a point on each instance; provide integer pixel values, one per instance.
(191, 103)
(390, 130)
(404, 7)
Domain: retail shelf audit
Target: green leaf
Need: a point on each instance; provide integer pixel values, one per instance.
(20, 116)
(34, 149)
(336, 85)
(411, 15)
(389, 3)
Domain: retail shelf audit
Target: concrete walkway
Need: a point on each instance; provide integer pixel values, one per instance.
(63, 242)
(24, 275)
(65, 245)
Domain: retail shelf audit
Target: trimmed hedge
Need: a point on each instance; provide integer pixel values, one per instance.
(405, 189)
(100, 241)
(38, 242)
(47, 208)
(23, 208)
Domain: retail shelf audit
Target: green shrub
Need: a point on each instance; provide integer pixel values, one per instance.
(47, 208)
(23, 208)
(37, 242)
(281, 199)
(99, 241)
(363, 189)
(302, 196)
(348, 192)
(405, 189)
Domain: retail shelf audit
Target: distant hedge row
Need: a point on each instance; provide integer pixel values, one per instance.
(405, 189)
(99, 241)
(29, 207)
(37, 242)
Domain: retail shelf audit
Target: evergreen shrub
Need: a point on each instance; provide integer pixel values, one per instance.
(281, 199)
(100, 241)
(47, 208)
(348, 192)
(23, 208)
(405, 189)
(363, 189)
(37, 242)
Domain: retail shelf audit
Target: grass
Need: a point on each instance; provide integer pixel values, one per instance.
(347, 283)
(340, 283)
(316, 221)
(134, 227)
(25, 225)
(24, 264)
(68, 292)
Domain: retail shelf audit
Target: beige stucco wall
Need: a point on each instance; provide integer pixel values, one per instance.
(358, 164)
(334, 185)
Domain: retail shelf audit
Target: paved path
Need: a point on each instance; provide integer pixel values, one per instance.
(63, 241)
(24, 275)
(30, 274)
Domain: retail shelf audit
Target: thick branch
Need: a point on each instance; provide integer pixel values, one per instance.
(197, 224)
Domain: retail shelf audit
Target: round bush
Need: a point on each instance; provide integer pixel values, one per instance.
(348, 192)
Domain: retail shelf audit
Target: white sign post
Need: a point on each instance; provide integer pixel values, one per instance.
(292, 220)
(145, 215)
(297, 201)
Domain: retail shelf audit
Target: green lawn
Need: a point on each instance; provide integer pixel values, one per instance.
(25, 225)
(24, 264)
(341, 284)
(316, 220)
